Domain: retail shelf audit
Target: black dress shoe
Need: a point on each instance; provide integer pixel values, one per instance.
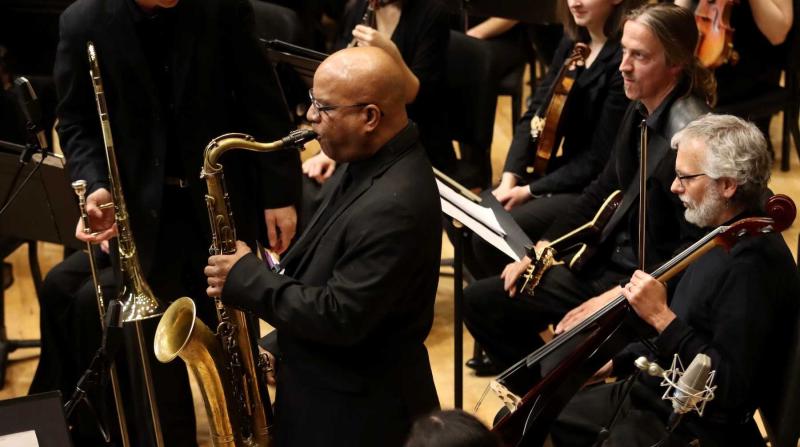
(475, 362)
(483, 367)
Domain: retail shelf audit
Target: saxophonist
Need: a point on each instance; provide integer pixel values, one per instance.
(176, 74)
(356, 301)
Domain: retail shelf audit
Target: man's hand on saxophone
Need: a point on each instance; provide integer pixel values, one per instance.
(100, 209)
(281, 227)
(218, 267)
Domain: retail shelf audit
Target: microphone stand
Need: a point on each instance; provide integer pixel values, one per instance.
(95, 375)
(25, 153)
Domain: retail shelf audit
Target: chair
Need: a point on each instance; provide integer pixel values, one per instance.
(781, 411)
(511, 85)
(471, 101)
(784, 99)
(278, 22)
(7, 246)
(781, 415)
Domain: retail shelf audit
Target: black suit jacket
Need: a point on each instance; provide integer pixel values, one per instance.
(221, 83)
(666, 228)
(355, 305)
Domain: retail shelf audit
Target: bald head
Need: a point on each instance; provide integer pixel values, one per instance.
(362, 95)
(365, 75)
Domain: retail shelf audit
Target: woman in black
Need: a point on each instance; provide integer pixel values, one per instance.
(588, 125)
(416, 33)
(760, 28)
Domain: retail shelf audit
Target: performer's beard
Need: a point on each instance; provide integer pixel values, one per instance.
(705, 213)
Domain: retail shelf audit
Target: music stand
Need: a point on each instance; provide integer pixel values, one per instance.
(40, 414)
(487, 218)
(45, 210)
(294, 67)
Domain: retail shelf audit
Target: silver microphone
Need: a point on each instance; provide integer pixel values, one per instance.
(692, 385)
(688, 389)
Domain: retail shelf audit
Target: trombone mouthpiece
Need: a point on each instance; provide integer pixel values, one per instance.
(79, 186)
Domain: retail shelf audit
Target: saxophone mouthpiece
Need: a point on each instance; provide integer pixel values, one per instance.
(299, 138)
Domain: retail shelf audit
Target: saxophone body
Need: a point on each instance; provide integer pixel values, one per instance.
(231, 375)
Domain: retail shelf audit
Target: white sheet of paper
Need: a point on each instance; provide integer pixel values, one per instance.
(21, 439)
(479, 229)
(480, 213)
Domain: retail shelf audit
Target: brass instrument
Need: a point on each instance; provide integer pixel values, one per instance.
(232, 378)
(79, 186)
(138, 301)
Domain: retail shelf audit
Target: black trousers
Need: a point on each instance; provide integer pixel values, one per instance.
(641, 422)
(591, 411)
(508, 328)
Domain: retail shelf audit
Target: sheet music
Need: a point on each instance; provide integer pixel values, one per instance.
(21, 439)
(477, 218)
(480, 213)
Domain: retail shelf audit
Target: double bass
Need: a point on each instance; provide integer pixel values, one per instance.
(715, 42)
(537, 388)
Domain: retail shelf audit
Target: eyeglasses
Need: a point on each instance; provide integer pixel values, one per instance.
(322, 108)
(681, 178)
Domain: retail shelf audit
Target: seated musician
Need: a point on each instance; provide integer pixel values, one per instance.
(356, 301)
(588, 123)
(418, 42)
(724, 306)
(760, 31)
(665, 82)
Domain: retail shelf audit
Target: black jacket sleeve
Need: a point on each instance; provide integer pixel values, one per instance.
(366, 283)
(78, 121)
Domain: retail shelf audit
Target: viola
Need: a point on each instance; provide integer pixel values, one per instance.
(538, 387)
(544, 127)
(715, 44)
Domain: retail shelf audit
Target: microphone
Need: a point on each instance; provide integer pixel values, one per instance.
(112, 330)
(690, 392)
(691, 387)
(29, 103)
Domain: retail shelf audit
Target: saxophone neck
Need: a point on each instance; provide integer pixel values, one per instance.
(224, 143)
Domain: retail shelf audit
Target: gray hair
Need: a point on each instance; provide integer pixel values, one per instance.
(737, 150)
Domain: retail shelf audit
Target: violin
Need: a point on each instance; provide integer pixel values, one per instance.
(537, 388)
(715, 43)
(544, 127)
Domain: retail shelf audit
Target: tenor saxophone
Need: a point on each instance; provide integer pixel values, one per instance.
(231, 376)
(137, 300)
